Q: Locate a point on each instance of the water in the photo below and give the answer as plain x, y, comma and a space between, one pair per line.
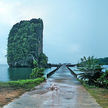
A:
14, 74
76, 71
105, 67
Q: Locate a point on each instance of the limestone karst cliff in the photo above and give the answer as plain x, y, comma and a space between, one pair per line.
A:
25, 44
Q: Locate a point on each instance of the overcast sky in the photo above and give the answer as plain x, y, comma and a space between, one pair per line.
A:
72, 28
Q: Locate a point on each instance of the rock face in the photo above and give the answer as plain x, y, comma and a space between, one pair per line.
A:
25, 43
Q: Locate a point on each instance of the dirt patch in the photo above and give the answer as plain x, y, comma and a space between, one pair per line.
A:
8, 94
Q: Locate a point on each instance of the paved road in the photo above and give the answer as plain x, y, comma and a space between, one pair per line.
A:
67, 93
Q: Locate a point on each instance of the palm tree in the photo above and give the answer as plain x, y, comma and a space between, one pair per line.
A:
91, 70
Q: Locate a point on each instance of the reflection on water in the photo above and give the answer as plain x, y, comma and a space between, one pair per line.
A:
19, 73
13, 74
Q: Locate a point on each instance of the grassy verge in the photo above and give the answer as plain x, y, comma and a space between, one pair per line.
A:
100, 94
13, 89
26, 84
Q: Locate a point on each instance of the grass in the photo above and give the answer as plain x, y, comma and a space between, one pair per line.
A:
4, 84
100, 94
13, 89
26, 84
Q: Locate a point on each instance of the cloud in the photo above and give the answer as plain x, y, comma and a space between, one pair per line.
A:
2, 56
7, 14
12, 12
72, 28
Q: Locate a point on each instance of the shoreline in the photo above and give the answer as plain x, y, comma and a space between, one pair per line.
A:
13, 89
7, 95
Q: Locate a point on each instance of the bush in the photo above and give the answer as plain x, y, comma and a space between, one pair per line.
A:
35, 64
37, 72
103, 80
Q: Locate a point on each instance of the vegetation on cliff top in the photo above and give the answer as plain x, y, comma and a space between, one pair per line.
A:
25, 44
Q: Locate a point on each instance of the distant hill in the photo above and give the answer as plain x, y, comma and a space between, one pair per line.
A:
103, 61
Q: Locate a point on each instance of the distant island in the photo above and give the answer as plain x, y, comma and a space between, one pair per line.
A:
103, 61
100, 61
25, 44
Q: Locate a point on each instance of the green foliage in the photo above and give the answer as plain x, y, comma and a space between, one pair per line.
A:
25, 43
91, 70
86, 85
28, 84
89, 64
103, 80
37, 72
4, 84
35, 64
42, 61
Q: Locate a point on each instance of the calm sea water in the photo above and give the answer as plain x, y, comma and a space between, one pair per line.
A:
105, 67
13, 74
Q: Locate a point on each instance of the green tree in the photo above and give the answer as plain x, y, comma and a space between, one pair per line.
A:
91, 69
37, 72
103, 80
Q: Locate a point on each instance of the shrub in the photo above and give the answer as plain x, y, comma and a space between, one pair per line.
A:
35, 64
37, 72
103, 80
91, 70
